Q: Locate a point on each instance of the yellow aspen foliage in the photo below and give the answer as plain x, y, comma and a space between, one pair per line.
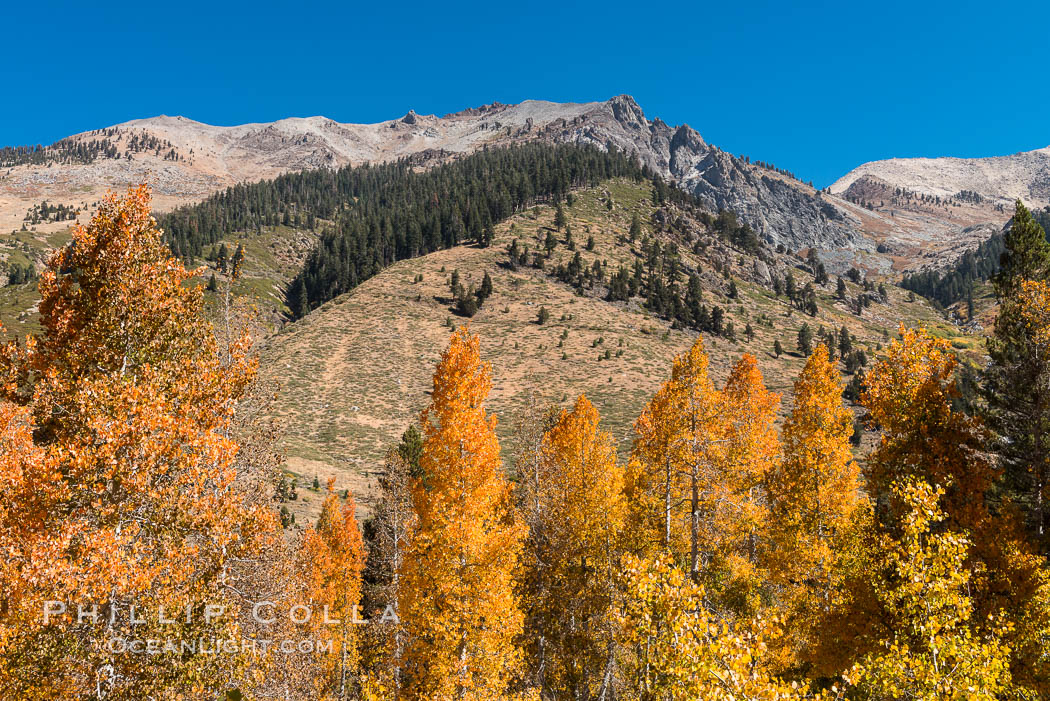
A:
749, 454
696, 478
833, 624
1034, 306
814, 490
460, 614
675, 648
674, 481
909, 397
572, 557
333, 555
135, 500
933, 651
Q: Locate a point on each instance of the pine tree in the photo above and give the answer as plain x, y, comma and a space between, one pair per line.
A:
550, 243
485, 291
635, 231
237, 261
1015, 383
222, 259
845, 342
460, 615
805, 340
559, 217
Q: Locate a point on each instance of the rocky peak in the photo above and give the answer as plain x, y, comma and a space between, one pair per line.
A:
627, 112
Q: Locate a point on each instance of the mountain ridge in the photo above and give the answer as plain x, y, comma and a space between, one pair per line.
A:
186, 161
211, 157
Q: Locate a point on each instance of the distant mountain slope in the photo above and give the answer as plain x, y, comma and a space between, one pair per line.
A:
193, 159
356, 371
928, 213
1001, 179
859, 222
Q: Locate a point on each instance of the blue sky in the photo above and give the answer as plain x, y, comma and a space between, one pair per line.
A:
814, 87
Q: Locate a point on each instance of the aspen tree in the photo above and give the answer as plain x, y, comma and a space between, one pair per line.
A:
814, 501
673, 470
750, 452
814, 490
132, 400
909, 396
333, 555
573, 555
683, 651
460, 614
934, 651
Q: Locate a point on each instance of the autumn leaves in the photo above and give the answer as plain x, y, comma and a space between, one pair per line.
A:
724, 559
119, 466
590, 579
457, 602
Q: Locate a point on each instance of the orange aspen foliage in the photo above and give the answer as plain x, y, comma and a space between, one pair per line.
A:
814, 500
135, 501
750, 452
909, 397
460, 614
674, 474
333, 552
572, 557
699, 462
814, 490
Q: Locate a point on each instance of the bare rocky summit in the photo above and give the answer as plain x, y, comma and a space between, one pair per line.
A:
1003, 179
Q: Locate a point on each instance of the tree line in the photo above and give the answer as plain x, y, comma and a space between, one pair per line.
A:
401, 213
373, 215
109, 143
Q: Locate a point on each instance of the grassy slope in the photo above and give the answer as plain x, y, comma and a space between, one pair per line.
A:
272, 257
357, 371
18, 302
